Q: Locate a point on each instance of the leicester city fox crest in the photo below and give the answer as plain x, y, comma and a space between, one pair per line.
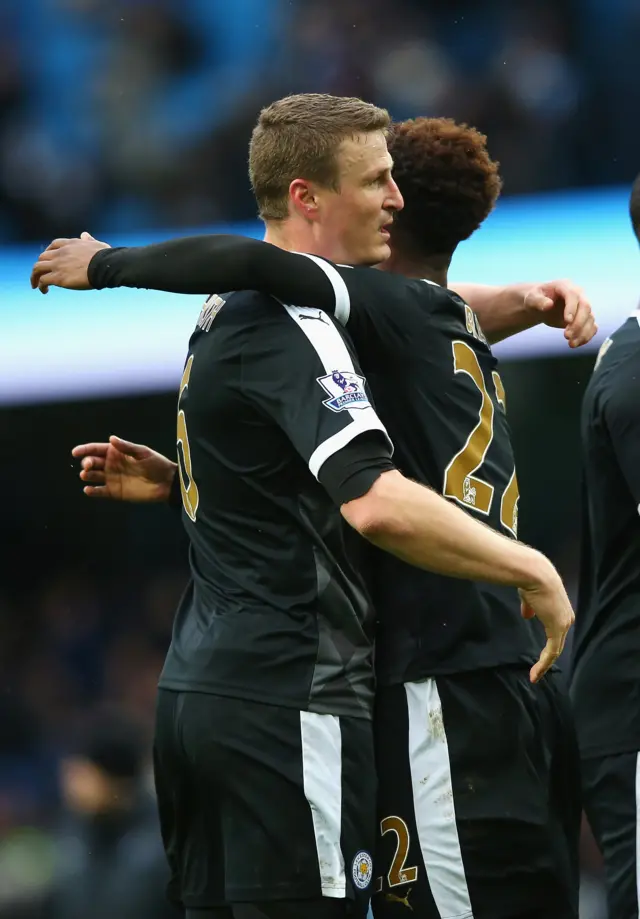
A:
362, 870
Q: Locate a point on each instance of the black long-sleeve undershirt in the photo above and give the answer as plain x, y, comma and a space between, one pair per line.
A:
215, 263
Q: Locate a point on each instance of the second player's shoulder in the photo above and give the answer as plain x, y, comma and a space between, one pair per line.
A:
374, 280
391, 295
453, 316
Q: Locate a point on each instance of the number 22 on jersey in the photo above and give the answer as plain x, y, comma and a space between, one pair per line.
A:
461, 481
188, 487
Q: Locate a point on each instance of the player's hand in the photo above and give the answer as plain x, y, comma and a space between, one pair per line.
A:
564, 305
65, 263
123, 471
548, 601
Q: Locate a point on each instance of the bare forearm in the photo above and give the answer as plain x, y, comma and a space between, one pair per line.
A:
425, 530
501, 310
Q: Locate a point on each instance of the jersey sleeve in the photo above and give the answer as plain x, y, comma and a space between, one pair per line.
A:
203, 264
351, 472
297, 368
374, 305
621, 409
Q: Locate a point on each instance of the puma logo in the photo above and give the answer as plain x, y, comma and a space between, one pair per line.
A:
320, 317
393, 898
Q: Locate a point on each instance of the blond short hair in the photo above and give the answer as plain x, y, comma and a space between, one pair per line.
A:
298, 138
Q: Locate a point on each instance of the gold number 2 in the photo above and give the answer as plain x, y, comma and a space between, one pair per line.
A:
511, 496
398, 874
460, 481
188, 487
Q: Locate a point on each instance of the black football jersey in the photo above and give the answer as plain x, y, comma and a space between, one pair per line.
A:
435, 384
436, 387
605, 683
271, 402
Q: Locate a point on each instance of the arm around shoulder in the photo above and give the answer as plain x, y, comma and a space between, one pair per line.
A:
426, 530
423, 529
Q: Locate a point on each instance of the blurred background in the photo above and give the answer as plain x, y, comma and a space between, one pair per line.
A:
131, 119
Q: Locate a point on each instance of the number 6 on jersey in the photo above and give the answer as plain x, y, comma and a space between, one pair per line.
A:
188, 487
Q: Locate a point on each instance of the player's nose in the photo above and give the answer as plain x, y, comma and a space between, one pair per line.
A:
394, 201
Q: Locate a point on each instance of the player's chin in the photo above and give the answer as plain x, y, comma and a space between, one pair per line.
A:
378, 252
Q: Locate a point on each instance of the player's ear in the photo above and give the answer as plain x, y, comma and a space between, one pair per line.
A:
303, 199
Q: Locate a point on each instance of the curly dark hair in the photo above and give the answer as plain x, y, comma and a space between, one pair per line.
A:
634, 207
448, 181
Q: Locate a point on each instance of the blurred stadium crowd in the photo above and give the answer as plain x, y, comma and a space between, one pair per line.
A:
132, 114
119, 115
80, 659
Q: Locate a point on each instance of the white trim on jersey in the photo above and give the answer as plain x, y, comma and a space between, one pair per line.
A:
335, 443
433, 801
342, 309
333, 354
638, 829
322, 776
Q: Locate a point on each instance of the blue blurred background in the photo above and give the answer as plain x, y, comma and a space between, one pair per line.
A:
131, 119
134, 114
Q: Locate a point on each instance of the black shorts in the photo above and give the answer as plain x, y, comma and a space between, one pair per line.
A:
478, 801
611, 791
260, 803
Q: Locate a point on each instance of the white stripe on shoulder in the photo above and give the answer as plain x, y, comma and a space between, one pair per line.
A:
342, 308
433, 283
337, 441
334, 355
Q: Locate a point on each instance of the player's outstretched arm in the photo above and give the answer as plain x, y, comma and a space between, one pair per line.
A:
124, 471
506, 311
193, 265
424, 529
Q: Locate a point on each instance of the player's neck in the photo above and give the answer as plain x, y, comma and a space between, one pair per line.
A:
434, 268
297, 235
278, 233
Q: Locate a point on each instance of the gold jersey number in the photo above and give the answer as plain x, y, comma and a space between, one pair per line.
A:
461, 481
188, 487
398, 873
